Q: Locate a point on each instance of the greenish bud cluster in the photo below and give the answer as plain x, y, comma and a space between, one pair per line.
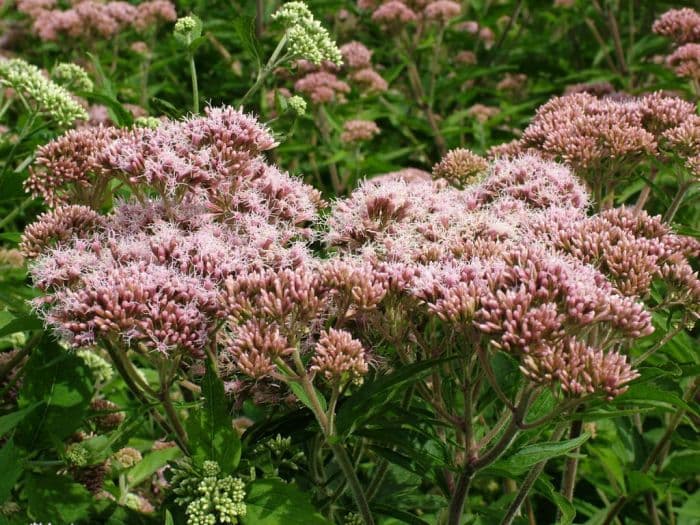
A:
39, 93
72, 77
101, 370
147, 122
352, 518
210, 499
77, 455
187, 29
308, 39
297, 104
127, 457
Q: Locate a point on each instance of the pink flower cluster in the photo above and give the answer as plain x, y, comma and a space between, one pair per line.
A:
394, 14
682, 25
90, 19
498, 263
205, 205
685, 61
597, 136
213, 246
358, 131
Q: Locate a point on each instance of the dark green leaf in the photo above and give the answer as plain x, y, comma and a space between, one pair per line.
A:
11, 466
150, 463
21, 324
530, 455
274, 502
210, 429
63, 382
57, 499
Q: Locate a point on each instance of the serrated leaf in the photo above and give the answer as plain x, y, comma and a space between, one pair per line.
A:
245, 30
11, 420
11, 466
63, 382
568, 512
150, 463
530, 455
210, 430
57, 499
21, 324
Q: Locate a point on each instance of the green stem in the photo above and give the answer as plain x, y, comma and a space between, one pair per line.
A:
459, 497
528, 482
345, 464
195, 86
677, 200
265, 71
569, 476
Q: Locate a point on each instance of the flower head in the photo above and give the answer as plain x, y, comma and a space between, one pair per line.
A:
359, 131
460, 167
72, 77
307, 37
682, 25
44, 95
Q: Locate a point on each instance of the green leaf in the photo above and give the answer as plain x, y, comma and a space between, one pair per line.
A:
530, 455
150, 463
11, 466
121, 116
685, 463
568, 512
652, 395
63, 382
169, 518
210, 429
57, 499
304, 398
14, 237
21, 324
274, 502
11, 420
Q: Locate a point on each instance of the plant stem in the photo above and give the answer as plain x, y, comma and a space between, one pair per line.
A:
646, 191
677, 200
173, 417
419, 94
568, 482
195, 86
341, 456
459, 497
529, 481
265, 71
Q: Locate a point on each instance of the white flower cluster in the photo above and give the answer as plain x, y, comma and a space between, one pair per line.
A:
308, 39
211, 499
72, 77
297, 104
36, 90
187, 29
